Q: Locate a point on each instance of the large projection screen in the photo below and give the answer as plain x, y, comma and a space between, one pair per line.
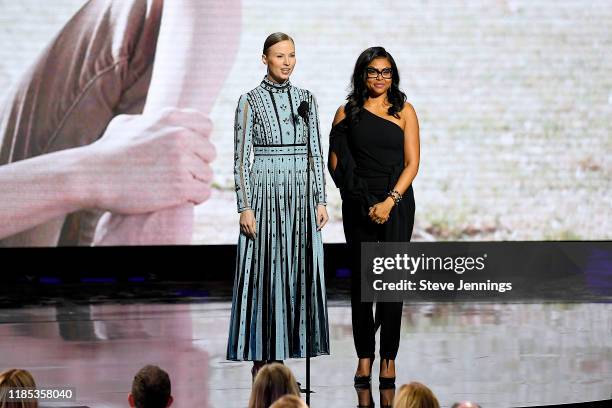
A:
514, 100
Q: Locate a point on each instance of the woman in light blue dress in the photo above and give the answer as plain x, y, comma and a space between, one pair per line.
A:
280, 213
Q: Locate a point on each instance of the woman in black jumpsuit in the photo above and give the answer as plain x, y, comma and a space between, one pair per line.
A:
373, 159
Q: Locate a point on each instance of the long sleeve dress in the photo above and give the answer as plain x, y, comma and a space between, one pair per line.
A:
268, 318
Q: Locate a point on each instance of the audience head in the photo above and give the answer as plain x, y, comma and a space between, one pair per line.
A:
16, 378
150, 388
465, 404
272, 382
289, 401
415, 395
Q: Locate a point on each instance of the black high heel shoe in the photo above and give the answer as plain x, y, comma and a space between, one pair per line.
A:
364, 381
386, 383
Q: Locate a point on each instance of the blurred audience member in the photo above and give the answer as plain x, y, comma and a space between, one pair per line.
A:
272, 382
289, 401
415, 395
465, 404
16, 378
151, 389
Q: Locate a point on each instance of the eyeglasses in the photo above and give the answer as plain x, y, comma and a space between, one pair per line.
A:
386, 73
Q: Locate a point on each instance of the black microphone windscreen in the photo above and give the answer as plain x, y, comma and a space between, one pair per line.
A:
303, 110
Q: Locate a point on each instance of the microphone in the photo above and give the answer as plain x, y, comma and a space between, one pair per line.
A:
303, 110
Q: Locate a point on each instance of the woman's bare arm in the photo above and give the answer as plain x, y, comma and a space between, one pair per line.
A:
107, 174
380, 212
411, 149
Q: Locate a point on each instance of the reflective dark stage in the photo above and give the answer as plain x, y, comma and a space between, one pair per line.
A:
499, 355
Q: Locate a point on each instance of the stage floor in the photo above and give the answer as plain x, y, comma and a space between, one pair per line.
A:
499, 355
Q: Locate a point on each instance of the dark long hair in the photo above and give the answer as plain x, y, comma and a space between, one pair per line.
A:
359, 90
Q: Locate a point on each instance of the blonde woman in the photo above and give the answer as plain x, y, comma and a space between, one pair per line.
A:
272, 382
280, 214
415, 395
289, 401
16, 378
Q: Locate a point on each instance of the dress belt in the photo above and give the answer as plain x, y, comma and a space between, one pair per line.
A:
280, 149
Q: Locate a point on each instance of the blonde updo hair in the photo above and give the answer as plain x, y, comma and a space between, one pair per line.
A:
275, 38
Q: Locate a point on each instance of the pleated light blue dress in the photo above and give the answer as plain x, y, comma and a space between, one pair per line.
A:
268, 319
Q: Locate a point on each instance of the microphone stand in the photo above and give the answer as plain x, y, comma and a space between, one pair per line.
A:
308, 274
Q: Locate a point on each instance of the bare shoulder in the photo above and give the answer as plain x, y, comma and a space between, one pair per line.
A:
408, 110
408, 114
339, 116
